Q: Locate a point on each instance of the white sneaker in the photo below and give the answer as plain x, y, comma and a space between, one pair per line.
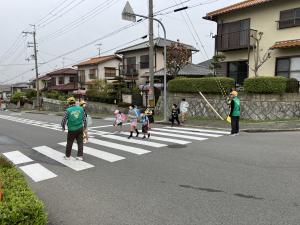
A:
79, 158
67, 158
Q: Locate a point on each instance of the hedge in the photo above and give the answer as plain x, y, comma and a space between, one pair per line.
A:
205, 85
265, 85
19, 205
292, 85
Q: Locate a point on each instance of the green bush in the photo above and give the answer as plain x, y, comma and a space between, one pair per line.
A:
18, 97
292, 85
265, 85
52, 94
20, 205
205, 85
31, 94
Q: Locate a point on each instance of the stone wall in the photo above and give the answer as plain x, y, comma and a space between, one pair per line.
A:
253, 106
92, 107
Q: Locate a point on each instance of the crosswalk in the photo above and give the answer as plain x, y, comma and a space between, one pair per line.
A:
103, 145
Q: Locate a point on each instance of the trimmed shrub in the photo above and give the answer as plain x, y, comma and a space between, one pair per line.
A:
20, 205
205, 85
18, 97
265, 85
292, 85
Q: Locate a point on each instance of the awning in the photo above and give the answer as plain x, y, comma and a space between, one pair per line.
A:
286, 44
79, 92
145, 87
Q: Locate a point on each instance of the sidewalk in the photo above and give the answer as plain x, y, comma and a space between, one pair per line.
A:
246, 126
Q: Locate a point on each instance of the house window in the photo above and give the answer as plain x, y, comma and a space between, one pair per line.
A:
72, 79
81, 76
110, 71
92, 74
61, 80
144, 62
288, 67
289, 18
238, 71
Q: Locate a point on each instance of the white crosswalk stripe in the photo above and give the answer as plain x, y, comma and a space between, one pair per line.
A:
199, 130
17, 157
59, 157
187, 132
177, 135
97, 153
126, 148
135, 141
170, 140
37, 172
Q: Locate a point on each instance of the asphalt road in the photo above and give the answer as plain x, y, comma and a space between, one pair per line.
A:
251, 179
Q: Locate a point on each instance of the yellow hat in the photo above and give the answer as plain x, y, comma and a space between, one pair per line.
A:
234, 93
82, 103
71, 100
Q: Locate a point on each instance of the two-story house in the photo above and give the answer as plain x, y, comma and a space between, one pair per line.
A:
237, 25
135, 64
62, 80
98, 68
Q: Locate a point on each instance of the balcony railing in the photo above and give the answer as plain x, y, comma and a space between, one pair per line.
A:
129, 70
235, 40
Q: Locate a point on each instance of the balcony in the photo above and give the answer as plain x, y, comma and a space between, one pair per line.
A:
129, 70
235, 40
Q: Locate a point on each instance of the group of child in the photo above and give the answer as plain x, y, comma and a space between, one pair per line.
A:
135, 117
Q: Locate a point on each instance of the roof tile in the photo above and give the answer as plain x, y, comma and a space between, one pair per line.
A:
287, 44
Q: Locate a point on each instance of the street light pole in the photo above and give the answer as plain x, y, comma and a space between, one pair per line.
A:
128, 14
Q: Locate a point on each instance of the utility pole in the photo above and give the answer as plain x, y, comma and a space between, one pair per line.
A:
33, 33
99, 48
151, 56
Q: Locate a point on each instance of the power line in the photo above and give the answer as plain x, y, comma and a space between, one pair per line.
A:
44, 24
80, 20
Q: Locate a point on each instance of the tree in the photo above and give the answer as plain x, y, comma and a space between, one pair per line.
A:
259, 59
177, 57
216, 63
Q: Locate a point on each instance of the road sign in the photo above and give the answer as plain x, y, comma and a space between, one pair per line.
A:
128, 13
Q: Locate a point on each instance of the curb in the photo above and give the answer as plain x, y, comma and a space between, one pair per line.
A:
270, 130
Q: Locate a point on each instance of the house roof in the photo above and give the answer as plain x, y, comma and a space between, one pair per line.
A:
235, 7
286, 44
98, 60
5, 88
64, 71
190, 70
20, 85
158, 42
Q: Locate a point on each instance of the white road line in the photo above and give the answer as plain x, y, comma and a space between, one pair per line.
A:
59, 157
17, 157
178, 135
135, 141
199, 130
171, 140
37, 172
126, 148
97, 153
187, 132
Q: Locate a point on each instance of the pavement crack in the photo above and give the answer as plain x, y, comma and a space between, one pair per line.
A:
248, 196
202, 189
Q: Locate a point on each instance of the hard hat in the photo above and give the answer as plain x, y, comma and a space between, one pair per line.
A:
82, 103
71, 100
234, 93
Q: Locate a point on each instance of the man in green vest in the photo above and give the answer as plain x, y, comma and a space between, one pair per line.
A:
76, 122
235, 113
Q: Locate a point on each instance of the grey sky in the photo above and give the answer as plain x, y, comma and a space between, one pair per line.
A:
16, 15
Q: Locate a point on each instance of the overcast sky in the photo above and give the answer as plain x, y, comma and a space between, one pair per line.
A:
65, 25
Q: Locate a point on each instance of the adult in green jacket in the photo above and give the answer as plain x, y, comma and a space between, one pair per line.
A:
76, 122
235, 112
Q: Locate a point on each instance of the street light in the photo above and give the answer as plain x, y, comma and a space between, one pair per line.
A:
129, 15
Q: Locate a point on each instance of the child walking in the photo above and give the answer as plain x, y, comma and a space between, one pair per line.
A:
133, 117
145, 125
118, 123
174, 114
